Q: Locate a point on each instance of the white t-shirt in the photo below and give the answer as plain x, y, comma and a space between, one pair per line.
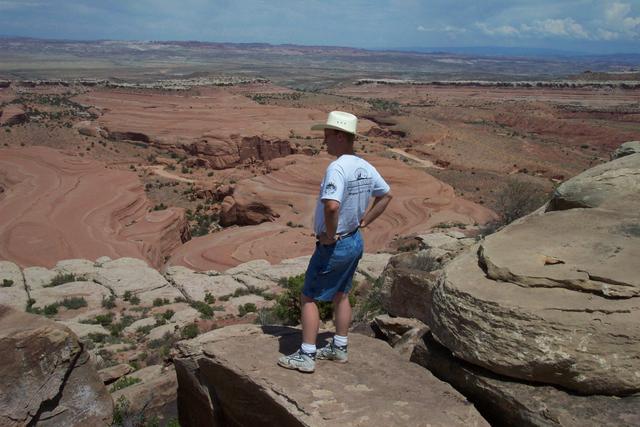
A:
351, 181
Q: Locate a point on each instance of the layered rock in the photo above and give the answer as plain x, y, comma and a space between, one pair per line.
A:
553, 297
47, 377
241, 211
220, 383
59, 207
505, 401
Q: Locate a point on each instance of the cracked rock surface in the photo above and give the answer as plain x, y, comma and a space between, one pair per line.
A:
376, 387
47, 377
554, 297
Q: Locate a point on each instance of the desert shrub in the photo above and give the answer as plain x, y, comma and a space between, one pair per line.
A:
371, 304
134, 300
7, 283
144, 330
517, 199
167, 314
288, 308
31, 309
103, 319
117, 328
124, 382
127, 295
208, 298
73, 303
109, 302
158, 302
97, 337
206, 312
51, 309
61, 278
189, 331
179, 299
384, 105
247, 308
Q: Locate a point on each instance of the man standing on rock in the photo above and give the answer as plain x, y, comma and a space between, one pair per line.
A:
346, 189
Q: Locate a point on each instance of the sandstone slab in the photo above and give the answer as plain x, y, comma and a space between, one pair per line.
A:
47, 378
12, 287
578, 340
626, 149
377, 387
196, 285
504, 401
613, 186
588, 250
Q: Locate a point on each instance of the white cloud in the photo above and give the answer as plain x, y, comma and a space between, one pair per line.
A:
442, 29
603, 34
13, 5
617, 11
502, 30
566, 27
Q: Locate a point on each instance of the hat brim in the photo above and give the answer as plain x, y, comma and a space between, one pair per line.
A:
323, 126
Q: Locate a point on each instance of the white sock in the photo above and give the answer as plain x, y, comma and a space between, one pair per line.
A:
308, 348
340, 341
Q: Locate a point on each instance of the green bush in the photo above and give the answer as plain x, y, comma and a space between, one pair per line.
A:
123, 383
158, 302
134, 300
127, 295
109, 302
73, 303
247, 308
167, 314
189, 331
51, 309
209, 299
103, 319
61, 279
206, 312
288, 308
7, 283
97, 337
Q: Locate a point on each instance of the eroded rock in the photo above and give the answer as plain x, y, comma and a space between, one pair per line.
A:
394, 393
47, 377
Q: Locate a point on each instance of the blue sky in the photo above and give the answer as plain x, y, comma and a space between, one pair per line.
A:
578, 25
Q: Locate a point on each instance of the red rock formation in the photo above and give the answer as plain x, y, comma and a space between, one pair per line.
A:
244, 212
260, 148
60, 207
12, 115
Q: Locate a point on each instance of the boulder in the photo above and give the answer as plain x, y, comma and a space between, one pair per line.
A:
196, 285
130, 274
626, 149
613, 186
587, 250
582, 341
47, 377
220, 383
401, 333
91, 292
113, 373
83, 330
261, 148
154, 396
407, 284
12, 287
506, 402
241, 211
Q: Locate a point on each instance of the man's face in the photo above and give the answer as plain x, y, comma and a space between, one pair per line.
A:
332, 139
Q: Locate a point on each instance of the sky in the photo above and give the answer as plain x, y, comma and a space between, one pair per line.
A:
590, 26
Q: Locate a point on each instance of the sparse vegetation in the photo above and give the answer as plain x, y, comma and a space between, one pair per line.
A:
206, 312
209, 299
62, 278
109, 302
124, 382
247, 308
73, 303
7, 283
189, 331
287, 307
158, 302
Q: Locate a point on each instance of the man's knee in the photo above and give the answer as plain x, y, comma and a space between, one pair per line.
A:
339, 297
305, 299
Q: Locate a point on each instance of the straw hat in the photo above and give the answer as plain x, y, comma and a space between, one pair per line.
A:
339, 120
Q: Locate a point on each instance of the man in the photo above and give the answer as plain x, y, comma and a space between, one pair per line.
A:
346, 189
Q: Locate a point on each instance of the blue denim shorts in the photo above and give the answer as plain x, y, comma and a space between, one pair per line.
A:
331, 268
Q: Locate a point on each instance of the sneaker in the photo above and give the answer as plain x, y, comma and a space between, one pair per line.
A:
303, 362
333, 352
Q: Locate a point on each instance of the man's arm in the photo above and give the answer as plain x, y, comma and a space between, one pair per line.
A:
378, 206
331, 214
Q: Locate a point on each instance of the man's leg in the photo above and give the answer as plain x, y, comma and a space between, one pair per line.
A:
342, 309
310, 320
